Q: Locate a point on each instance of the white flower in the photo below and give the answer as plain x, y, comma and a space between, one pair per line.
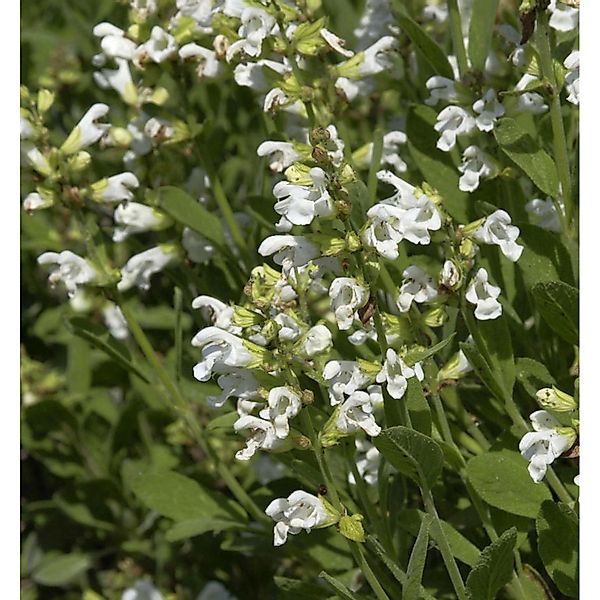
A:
220, 350
404, 195
160, 46
70, 269
347, 296
298, 204
420, 217
208, 64
31, 155
142, 590
142, 266
449, 275
389, 155
530, 101
158, 129
116, 188
543, 445
376, 57
262, 436
435, 12
115, 321
334, 146
396, 373
87, 131
344, 377
216, 312
497, 229
255, 27
282, 404
300, 510
35, 201
368, 460
113, 42
488, 110
143, 8
350, 89
385, 230
440, 88
289, 327
355, 413
335, 42
417, 286
237, 383
281, 154
543, 213
197, 247
376, 21
563, 18
484, 294
251, 74
452, 122
317, 340
289, 250
475, 164
133, 217
275, 99
572, 77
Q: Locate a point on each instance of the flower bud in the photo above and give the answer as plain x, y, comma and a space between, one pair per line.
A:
455, 368
120, 136
79, 161
450, 276
308, 397
472, 227
243, 317
353, 243
351, 527
159, 96
435, 317
318, 135
554, 399
45, 99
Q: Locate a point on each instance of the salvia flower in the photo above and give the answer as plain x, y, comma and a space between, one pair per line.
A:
317, 340
255, 27
488, 110
356, 413
543, 213
396, 373
563, 18
161, 45
69, 269
347, 296
299, 511
87, 131
530, 101
133, 217
452, 122
261, 436
484, 295
282, 404
572, 77
417, 286
376, 57
207, 63
142, 590
139, 268
289, 250
220, 351
237, 383
281, 154
368, 460
475, 165
116, 188
344, 377
497, 229
440, 88
542, 446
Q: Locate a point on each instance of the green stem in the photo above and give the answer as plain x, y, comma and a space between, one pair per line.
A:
182, 408
558, 130
558, 487
458, 42
374, 166
361, 560
444, 546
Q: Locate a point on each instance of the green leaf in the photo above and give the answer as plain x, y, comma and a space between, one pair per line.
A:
187, 211
178, 497
415, 356
502, 480
431, 52
461, 547
544, 257
61, 569
183, 530
416, 564
481, 29
533, 584
294, 589
338, 587
493, 341
487, 375
526, 152
533, 375
558, 304
436, 166
420, 414
412, 453
494, 569
558, 540
393, 567
99, 337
